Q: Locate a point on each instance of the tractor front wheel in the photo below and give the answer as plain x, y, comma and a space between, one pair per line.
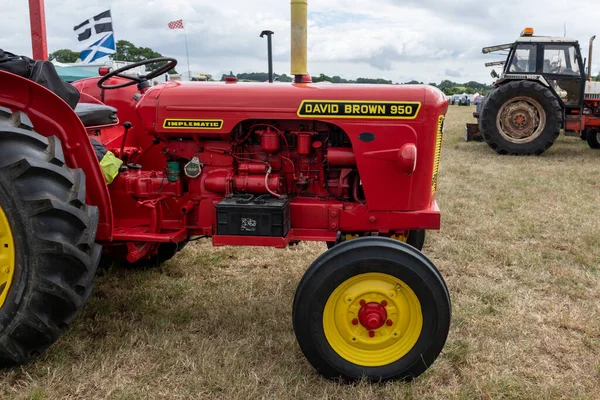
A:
520, 118
372, 307
48, 257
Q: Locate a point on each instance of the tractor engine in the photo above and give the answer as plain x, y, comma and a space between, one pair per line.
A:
257, 162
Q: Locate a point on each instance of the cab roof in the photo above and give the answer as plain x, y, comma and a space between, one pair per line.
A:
545, 39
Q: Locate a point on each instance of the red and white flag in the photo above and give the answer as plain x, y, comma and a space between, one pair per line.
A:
176, 24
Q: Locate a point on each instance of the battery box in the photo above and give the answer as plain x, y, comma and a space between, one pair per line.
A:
238, 216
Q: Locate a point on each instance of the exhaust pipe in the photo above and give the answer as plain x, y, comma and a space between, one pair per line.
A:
590, 57
269, 52
299, 34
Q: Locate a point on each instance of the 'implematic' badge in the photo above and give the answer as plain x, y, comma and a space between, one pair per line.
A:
359, 109
202, 124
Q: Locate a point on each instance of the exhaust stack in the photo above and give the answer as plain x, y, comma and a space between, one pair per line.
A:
299, 34
590, 57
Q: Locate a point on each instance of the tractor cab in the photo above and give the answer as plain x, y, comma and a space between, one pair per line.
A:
541, 91
555, 60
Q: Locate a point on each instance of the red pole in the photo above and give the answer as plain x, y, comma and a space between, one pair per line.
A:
37, 17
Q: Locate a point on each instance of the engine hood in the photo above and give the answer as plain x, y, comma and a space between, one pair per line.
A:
190, 108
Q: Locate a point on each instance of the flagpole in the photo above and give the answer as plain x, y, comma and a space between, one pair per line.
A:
187, 52
114, 37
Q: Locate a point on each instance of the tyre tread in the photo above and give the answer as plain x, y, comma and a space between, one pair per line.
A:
47, 191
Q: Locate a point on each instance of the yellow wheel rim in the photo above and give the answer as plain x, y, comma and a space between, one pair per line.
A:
356, 342
7, 257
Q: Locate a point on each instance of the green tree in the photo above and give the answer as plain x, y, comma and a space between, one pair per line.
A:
127, 51
64, 56
284, 78
374, 81
338, 79
322, 78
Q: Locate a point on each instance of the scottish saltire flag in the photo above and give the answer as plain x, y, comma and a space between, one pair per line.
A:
101, 23
101, 48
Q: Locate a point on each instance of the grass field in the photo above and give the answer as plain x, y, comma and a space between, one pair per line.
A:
519, 248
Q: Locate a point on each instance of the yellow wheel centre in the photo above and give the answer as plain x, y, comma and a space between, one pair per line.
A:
372, 319
7, 257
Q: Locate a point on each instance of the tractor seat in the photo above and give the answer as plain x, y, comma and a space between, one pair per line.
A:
96, 114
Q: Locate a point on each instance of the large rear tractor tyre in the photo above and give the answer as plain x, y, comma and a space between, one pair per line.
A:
372, 308
520, 118
48, 255
593, 138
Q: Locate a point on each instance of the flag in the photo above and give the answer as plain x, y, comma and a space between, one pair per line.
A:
101, 48
101, 23
176, 24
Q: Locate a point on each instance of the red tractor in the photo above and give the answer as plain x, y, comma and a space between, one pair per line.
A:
246, 165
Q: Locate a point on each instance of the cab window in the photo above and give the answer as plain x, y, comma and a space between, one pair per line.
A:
524, 59
560, 59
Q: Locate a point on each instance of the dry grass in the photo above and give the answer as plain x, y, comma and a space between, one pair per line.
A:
519, 248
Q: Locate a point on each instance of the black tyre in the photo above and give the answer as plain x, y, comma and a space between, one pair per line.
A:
372, 307
118, 256
520, 118
165, 252
47, 235
416, 238
593, 138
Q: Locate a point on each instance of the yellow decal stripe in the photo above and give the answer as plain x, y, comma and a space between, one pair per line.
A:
359, 109
199, 124
438, 151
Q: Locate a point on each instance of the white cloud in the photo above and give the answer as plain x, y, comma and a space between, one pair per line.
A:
401, 40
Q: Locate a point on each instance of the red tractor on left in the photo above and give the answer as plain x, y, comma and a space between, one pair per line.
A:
142, 169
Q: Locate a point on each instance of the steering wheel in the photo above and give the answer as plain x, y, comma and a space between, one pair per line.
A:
137, 79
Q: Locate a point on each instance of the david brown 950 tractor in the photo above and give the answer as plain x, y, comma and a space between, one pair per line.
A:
542, 89
247, 165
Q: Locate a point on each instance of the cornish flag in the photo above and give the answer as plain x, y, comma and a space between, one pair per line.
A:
101, 23
99, 49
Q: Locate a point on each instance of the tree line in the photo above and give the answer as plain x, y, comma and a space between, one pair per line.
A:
447, 86
127, 51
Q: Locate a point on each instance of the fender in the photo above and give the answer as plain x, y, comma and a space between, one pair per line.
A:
523, 77
51, 116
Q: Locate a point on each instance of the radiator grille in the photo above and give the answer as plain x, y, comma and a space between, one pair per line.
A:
438, 150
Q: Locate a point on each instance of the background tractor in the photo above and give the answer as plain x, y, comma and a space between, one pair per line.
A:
244, 164
542, 89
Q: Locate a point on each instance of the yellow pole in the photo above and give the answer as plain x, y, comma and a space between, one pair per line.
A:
299, 34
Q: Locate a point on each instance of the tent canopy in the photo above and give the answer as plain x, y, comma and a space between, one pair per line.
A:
72, 74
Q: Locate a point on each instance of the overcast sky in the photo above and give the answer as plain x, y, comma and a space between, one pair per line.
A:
400, 40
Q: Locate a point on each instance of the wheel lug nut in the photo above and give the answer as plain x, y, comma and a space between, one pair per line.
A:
354, 321
362, 302
389, 322
371, 334
384, 303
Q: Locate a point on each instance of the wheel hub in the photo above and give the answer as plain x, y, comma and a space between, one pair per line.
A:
521, 120
372, 319
372, 315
